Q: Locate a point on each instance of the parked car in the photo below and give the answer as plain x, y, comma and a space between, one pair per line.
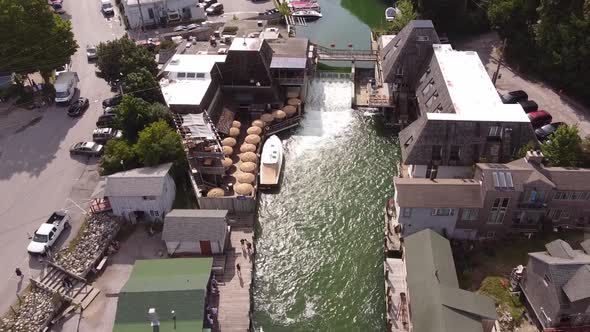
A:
544, 132
106, 120
514, 97
46, 235
103, 135
208, 3
113, 101
57, 8
192, 26
110, 110
78, 107
215, 9
539, 118
91, 52
529, 106
62, 69
179, 28
87, 148
56, 1
106, 7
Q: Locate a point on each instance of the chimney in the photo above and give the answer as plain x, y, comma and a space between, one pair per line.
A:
153, 316
534, 157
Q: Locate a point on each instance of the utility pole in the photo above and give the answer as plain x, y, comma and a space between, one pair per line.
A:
495, 77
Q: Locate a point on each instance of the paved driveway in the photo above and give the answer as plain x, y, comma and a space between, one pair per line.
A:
37, 174
561, 107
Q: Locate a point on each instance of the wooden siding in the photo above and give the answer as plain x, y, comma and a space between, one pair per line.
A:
232, 204
124, 205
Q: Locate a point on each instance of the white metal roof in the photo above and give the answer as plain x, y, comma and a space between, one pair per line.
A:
474, 96
146, 181
188, 91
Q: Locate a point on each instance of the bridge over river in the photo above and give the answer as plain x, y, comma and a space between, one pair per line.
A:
333, 54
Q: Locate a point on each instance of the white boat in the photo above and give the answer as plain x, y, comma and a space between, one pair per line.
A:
307, 14
304, 5
271, 162
390, 13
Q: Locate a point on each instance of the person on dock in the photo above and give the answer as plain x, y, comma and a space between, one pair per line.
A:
239, 269
249, 247
19, 273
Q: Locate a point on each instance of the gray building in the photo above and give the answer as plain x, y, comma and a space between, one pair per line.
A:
196, 232
556, 285
520, 196
432, 296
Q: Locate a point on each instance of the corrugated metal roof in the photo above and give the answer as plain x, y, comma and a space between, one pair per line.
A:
281, 62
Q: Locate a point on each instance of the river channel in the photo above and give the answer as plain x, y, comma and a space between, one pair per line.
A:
319, 263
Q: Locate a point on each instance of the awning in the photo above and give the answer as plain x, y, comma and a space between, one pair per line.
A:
198, 126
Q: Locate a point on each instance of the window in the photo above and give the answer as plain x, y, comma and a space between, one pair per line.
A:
554, 214
547, 279
438, 109
180, 75
191, 75
428, 87
407, 212
408, 141
469, 214
151, 13
149, 198
565, 214
570, 195
455, 152
424, 75
498, 210
431, 171
422, 38
200, 75
490, 235
442, 212
503, 180
436, 152
156, 213
432, 99
495, 131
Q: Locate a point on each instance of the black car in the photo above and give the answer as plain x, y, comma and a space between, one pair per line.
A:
106, 120
78, 107
208, 3
514, 97
529, 106
113, 101
544, 132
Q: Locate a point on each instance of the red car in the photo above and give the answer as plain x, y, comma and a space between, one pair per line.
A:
539, 118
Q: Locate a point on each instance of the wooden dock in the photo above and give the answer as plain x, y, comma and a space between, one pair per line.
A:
234, 287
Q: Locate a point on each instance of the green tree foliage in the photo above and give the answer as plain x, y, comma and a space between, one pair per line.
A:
158, 144
531, 145
549, 37
142, 84
121, 57
33, 38
283, 7
563, 147
119, 156
134, 114
405, 15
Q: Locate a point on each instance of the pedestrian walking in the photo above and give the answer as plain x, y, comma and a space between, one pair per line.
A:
249, 246
242, 242
19, 273
239, 269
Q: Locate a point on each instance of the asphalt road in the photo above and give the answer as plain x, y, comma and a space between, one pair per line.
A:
37, 174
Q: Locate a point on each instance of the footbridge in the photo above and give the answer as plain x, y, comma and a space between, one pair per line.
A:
333, 54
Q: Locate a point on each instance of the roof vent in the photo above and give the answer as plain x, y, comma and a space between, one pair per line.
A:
153, 316
534, 157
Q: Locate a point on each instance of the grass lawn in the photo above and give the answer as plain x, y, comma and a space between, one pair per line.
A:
495, 289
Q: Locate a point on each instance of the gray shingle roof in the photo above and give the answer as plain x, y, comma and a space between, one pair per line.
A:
194, 225
437, 302
426, 193
578, 287
560, 248
146, 181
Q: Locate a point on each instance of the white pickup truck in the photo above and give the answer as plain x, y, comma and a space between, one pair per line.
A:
46, 235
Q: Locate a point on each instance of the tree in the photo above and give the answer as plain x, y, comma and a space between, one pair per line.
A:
531, 145
119, 156
563, 147
158, 144
405, 15
134, 114
121, 57
446, 14
142, 84
33, 38
283, 7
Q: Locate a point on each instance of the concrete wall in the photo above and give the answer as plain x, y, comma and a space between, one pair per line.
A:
125, 205
422, 218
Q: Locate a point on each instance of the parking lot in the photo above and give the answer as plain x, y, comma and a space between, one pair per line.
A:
37, 173
556, 102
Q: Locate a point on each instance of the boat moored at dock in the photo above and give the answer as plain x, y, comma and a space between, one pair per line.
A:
309, 15
271, 162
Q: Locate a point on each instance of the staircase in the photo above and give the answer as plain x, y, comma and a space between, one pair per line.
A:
80, 294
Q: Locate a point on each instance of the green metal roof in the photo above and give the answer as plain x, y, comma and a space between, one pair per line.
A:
177, 284
435, 298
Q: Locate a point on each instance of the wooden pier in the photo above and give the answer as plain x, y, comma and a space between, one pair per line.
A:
234, 288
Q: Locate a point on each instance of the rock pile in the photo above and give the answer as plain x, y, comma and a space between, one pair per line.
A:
34, 311
95, 237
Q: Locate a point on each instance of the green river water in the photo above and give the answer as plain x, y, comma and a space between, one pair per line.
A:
319, 262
